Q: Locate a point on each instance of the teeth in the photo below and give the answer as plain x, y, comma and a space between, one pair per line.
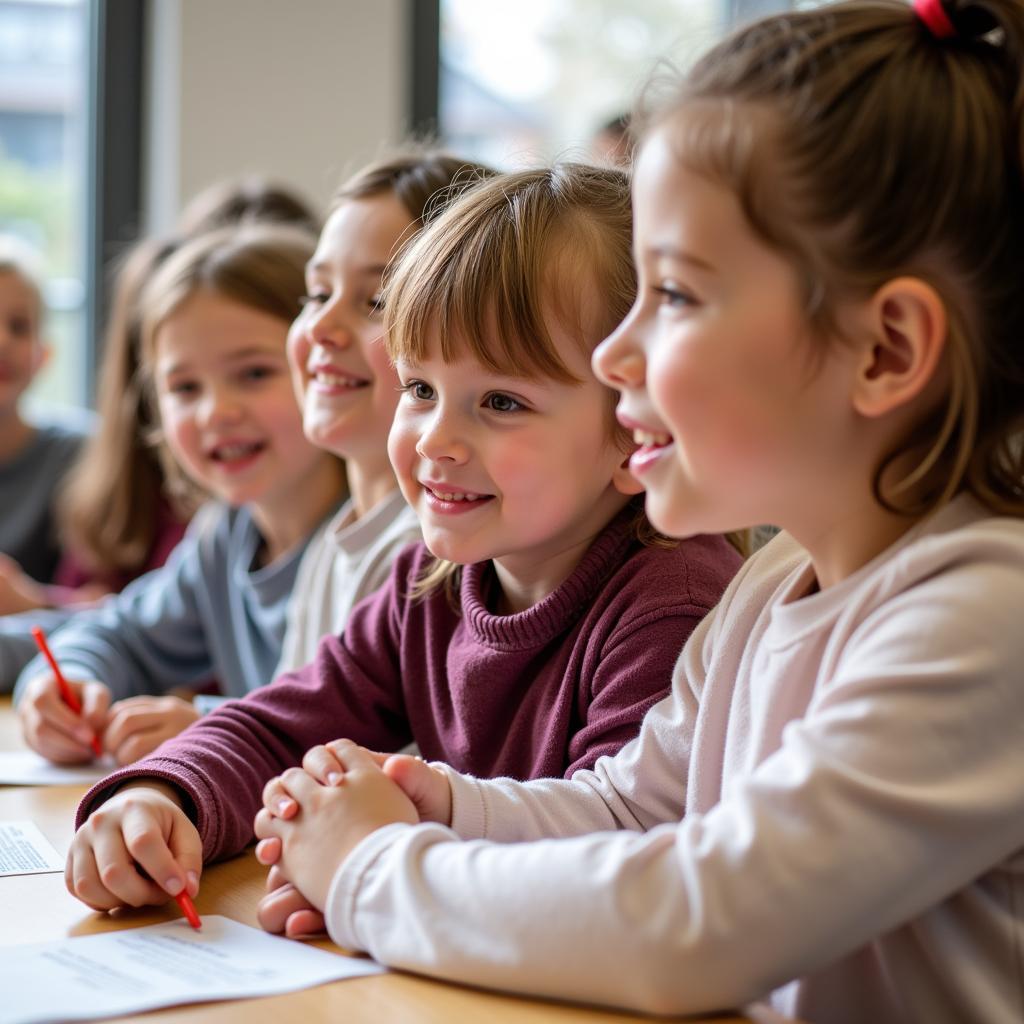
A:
452, 496
336, 380
227, 452
650, 439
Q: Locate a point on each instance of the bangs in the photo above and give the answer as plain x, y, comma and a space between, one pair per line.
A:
480, 281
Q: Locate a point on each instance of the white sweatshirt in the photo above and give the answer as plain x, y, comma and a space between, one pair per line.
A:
347, 560
828, 810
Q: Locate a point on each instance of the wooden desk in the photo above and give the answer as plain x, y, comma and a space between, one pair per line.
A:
37, 908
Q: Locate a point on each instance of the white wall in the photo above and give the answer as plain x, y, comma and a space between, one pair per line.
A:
299, 90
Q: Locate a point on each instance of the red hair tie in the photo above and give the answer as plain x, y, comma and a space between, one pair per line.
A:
932, 13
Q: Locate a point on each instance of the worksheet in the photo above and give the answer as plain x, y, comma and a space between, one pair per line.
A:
27, 768
161, 965
24, 850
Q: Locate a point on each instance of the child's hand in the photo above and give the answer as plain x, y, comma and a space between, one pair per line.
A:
18, 591
329, 821
426, 787
142, 828
138, 725
285, 909
52, 729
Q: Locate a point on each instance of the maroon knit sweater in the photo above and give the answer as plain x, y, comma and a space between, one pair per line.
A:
540, 693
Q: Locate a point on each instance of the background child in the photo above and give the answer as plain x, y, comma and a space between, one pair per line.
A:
550, 629
116, 519
33, 459
828, 336
347, 387
215, 321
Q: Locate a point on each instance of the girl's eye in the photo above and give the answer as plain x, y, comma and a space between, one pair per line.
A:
20, 326
674, 296
182, 388
313, 299
418, 390
375, 304
257, 373
500, 402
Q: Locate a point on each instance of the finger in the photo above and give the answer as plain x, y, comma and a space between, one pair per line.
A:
147, 846
186, 848
277, 906
95, 705
428, 790
305, 923
268, 851
49, 709
275, 879
267, 825
277, 800
321, 763
351, 755
299, 786
137, 746
119, 877
125, 722
82, 878
57, 746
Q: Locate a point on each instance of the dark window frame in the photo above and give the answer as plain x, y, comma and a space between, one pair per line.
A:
113, 193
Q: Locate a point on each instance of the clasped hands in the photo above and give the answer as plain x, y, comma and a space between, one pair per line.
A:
314, 816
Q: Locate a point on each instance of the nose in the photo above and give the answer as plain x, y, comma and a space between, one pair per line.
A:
441, 440
220, 406
328, 325
619, 360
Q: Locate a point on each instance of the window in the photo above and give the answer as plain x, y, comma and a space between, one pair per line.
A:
531, 80
43, 80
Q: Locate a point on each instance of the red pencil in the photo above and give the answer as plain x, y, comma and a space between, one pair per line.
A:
67, 694
188, 909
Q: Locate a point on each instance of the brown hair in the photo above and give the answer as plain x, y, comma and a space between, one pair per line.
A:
485, 272
259, 265
863, 148
239, 201
422, 178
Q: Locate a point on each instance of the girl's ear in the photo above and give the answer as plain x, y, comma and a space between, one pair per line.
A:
623, 481
904, 343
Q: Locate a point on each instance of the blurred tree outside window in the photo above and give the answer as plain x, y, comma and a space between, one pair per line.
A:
43, 99
533, 80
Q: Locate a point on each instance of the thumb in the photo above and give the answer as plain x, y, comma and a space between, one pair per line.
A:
421, 785
187, 849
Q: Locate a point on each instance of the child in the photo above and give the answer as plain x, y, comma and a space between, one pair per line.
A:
828, 336
115, 517
214, 326
549, 629
348, 389
33, 459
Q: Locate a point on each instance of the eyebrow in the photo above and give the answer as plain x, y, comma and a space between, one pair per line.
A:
250, 352
322, 265
680, 256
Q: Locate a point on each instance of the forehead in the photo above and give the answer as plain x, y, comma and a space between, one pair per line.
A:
208, 329
18, 293
363, 231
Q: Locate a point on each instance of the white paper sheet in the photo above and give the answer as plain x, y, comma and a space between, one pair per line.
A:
162, 965
24, 850
27, 768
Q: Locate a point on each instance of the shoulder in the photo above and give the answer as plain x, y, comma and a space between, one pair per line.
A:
689, 575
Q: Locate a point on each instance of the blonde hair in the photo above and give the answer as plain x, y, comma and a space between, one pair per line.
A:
863, 148
261, 266
484, 274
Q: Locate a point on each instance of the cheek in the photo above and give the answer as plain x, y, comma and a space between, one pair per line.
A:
402, 444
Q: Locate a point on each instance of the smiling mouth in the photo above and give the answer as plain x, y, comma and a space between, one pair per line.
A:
236, 452
331, 380
651, 438
456, 496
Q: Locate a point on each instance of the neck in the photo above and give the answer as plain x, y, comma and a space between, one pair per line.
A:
526, 579
370, 482
289, 519
15, 433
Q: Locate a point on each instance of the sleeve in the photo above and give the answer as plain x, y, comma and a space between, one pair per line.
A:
151, 637
898, 788
352, 689
17, 648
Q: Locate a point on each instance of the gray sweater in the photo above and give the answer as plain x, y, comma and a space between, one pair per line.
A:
206, 613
